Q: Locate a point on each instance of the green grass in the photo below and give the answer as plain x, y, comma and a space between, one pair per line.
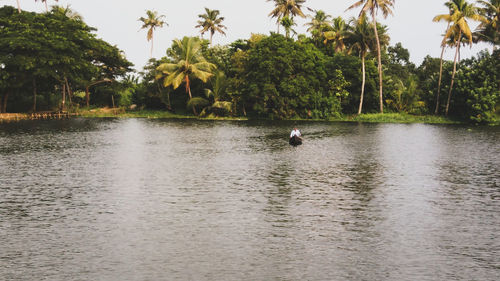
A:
120, 113
153, 114
399, 118
368, 118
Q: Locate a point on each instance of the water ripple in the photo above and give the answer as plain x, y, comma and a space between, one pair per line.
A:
134, 199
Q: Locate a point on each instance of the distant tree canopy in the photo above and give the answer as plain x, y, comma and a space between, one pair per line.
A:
45, 53
50, 61
283, 78
478, 88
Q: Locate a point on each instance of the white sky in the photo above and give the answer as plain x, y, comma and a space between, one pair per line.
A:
117, 22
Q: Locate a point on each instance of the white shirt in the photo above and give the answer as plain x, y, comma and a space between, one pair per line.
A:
295, 133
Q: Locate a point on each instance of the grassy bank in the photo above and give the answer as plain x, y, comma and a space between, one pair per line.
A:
13, 116
369, 118
156, 114
121, 113
399, 118
153, 114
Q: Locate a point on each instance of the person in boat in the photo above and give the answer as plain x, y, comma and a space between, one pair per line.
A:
295, 132
295, 137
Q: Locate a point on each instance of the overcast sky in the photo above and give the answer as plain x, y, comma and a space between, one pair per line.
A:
117, 22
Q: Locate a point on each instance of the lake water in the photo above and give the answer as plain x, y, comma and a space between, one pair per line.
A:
139, 199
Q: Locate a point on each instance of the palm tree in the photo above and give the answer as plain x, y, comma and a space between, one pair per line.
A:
337, 34
460, 12
372, 6
211, 22
188, 63
67, 12
18, 7
151, 22
286, 8
443, 47
489, 31
451, 41
219, 84
45, 1
288, 23
359, 37
318, 24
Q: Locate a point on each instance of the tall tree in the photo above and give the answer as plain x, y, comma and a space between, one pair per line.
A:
337, 34
489, 30
318, 24
152, 21
219, 83
68, 12
188, 63
43, 51
358, 38
460, 11
286, 8
210, 21
372, 7
288, 24
443, 47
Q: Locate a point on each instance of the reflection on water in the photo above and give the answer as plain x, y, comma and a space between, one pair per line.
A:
138, 199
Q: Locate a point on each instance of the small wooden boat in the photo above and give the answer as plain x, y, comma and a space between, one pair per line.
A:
295, 140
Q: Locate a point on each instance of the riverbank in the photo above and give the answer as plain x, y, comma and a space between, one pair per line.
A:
46, 115
158, 114
368, 118
400, 118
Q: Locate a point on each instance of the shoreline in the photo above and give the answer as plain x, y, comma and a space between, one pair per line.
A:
400, 118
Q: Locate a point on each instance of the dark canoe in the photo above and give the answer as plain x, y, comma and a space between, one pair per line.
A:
295, 140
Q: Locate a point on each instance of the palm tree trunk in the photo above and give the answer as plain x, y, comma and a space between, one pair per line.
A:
188, 86
454, 71
151, 53
194, 108
63, 96
46, 7
440, 73
379, 56
211, 35
18, 7
439, 81
3, 108
188, 89
68, 89
169, 105
87, 95
34, 94
362, 84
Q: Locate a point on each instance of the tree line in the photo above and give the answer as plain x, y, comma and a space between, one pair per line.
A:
345, 66
48, 60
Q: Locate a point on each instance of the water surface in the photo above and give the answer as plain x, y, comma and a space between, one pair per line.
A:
139, 199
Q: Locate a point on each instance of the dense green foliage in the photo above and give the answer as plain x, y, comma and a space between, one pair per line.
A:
285, 79
44, 54
48, 58
478, 88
